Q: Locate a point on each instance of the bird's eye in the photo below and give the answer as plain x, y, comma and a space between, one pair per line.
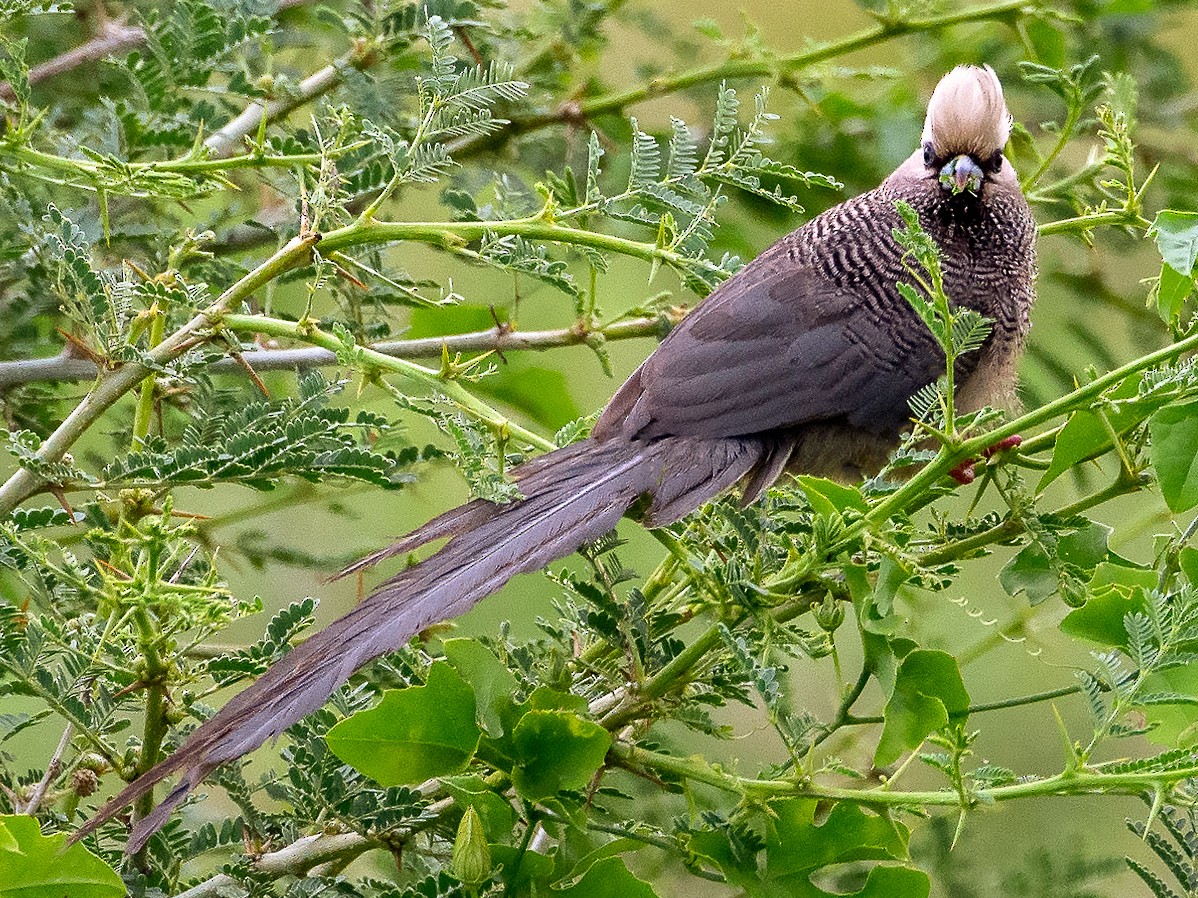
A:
929, 154
995, 162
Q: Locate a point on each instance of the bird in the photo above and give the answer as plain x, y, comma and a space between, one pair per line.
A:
804, 361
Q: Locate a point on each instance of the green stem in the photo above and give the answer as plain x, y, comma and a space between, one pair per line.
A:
369, 358
914, 488
1012, 527
1074, 782
1083, 223
455, 234
1072, 117
145, 402
983, 707
155, 727
771, 67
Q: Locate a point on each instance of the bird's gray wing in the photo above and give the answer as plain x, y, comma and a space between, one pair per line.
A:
780, 346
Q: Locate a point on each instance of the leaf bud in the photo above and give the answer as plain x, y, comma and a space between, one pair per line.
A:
471, 859
829, 613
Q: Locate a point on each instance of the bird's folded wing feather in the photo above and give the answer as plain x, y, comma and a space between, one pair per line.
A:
775, 351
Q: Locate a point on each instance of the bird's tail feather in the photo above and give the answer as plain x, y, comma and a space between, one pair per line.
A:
571, 497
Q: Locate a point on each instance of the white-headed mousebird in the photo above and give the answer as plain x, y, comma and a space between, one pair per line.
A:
804, 361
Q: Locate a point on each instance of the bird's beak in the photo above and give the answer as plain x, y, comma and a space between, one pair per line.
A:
961, 174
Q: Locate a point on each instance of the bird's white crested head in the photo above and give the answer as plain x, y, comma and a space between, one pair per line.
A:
967, 114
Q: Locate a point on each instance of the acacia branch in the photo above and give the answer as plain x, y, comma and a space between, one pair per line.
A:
111, 38
576, 110
223, 143
296, 253
295, 860
65, 367
1072, 782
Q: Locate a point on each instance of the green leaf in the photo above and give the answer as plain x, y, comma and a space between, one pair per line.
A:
828, 497
1174, 432
556, 750
520, 869
37, 866
1176, 236
1171, 293
1031, 572
1047, 40
495, 811
1084, 435
1086, 547
1172, 723
927, 690
493, 684
412, 734
1115, 592
797, 846
609, 877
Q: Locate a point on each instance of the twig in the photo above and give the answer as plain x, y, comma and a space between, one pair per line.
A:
296, 859
55, 765
68, 367
766, 67
225, 142
111, 38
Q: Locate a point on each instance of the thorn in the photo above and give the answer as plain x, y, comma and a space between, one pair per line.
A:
57, 492
464, 37
1158, 802
1073, 762
502, 329
76, 345
960, 829
115, 570
249, 369
345, 273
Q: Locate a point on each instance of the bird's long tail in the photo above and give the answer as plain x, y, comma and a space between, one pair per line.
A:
571, 496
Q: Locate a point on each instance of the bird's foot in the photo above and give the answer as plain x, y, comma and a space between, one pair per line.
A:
965, 474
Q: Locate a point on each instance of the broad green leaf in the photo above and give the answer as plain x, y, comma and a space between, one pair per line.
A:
1086, 547
882, 882
520, 870
493, 684
37, 866
1171, 293
494, 810
1176, 236
927, 690
1121, 575
1115, 591
556, 750
607, 879
614, 848
412, 734
1187, 560
829, 497
1174, 432
1047, 40
797, 846
1172, 725
1084, 435
1031, 572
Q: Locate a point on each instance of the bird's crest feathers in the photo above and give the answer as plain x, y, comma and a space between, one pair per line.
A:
967, 114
